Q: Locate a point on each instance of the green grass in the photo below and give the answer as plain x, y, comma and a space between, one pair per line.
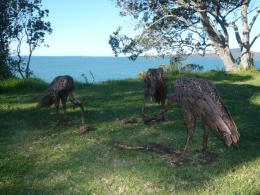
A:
39, 157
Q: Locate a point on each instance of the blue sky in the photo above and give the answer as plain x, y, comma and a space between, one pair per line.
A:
82, 28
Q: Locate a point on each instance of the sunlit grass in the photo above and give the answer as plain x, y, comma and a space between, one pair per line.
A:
37, 156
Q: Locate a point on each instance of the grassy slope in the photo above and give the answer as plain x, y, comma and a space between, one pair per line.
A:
38, 157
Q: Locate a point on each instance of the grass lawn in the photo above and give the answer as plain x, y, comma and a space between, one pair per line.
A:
37, 156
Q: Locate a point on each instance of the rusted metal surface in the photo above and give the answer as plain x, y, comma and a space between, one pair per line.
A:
60, 89
155, 88
199, 99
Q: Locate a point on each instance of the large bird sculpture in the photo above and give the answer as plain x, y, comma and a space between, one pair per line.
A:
199, 99
155, 87
60, 89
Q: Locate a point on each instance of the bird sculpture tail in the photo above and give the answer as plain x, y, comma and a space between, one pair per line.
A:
218, 117
46, 101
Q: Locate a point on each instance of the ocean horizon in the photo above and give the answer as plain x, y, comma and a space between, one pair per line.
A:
103, 68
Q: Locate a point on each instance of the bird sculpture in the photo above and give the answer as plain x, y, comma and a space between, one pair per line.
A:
199, 99
60, 89
155, 88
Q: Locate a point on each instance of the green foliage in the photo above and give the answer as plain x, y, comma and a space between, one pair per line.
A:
170, 27
177, 65
39, 156
181, 28
251, 68
6, 71
191, 68
21, 22
20, 85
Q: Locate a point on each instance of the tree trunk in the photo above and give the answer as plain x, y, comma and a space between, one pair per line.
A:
19, 62
218, 40
19, 69
226, 56
27, 69
246, 57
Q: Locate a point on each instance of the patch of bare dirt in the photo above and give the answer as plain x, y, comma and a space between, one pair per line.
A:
84, 128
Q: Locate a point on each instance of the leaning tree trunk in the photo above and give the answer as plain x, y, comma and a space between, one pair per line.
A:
27, 69
218, 40
226, 56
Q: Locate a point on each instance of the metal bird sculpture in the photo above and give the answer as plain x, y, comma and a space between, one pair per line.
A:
60, 89
155, 87
199, 99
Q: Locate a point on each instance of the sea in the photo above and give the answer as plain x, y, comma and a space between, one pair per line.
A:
98, 69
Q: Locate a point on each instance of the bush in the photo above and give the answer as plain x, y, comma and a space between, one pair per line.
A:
9, 85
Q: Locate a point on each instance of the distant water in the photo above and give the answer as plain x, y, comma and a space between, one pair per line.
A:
107, 68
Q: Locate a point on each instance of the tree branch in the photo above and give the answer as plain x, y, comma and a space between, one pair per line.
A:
236, 7
222, 23
253, 41
254, 19
190, 5
18, 52
211, 30
247, 14
164, 17
169, 16
238, 37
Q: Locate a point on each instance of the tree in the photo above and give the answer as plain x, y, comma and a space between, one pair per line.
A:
5, 33
187, 27
21, 23
30, 28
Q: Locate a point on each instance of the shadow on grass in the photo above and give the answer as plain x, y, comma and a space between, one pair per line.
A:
92, 161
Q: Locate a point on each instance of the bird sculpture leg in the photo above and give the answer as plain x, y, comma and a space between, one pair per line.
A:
191, 124
143, 107
63, 102
78, 103
205, 139
163, 113
57, 105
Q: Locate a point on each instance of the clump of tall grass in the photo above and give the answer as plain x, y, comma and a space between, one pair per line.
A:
15, 84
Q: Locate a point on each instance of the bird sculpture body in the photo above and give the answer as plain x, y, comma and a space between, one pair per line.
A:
199, 99
60, 89
155, 88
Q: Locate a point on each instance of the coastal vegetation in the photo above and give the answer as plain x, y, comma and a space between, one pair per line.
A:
22, 25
